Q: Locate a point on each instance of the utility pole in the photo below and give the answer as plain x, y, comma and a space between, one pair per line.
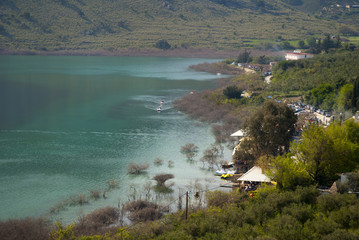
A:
186, 204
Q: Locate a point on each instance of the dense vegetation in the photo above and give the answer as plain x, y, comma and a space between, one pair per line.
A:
271, 214
329, 80
320, 157
112, 25
328, 9
299, 214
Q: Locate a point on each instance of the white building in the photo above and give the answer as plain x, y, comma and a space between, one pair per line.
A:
298, 55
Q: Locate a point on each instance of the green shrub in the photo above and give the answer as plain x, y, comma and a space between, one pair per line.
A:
162, 44
232, 92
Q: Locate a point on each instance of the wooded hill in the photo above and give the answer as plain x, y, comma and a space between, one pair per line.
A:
49, 25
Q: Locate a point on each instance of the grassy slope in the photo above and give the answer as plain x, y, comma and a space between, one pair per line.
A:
328, 9
114, 24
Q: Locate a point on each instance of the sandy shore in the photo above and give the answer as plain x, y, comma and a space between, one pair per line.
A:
180, 52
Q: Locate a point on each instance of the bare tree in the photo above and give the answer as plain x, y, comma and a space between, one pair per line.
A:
162, 178
170, 163
135, 168
28, 228
140, 211
147, 189
112, 184
158, 162
97, 221
211, 155
190, 150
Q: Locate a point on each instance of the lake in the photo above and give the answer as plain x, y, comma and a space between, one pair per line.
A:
69, 125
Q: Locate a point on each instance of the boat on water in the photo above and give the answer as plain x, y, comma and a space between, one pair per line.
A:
159, 108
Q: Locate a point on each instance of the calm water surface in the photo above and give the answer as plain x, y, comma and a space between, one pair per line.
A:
70, 124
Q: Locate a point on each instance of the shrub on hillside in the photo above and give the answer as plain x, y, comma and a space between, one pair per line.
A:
232, 92
141, 211
25, 229
162, 44
97, 221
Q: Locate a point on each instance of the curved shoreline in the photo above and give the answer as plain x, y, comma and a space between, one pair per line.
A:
145, 52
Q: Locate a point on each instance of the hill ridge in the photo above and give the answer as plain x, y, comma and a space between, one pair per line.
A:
111, 24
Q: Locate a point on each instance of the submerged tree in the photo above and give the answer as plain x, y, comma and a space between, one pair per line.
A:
162, 178
158, 162
135, 168
190, 150
212, 154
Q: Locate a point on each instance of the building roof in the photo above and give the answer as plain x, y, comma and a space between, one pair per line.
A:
296, 53
239, 133
254, 175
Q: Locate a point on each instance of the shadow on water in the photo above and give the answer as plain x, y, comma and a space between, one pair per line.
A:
29, 100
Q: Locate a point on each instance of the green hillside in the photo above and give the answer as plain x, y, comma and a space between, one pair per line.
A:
340, 11
117, 24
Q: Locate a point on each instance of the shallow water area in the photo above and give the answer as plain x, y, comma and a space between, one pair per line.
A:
69, 125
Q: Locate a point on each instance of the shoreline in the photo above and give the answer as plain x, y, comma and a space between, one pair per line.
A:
144, 52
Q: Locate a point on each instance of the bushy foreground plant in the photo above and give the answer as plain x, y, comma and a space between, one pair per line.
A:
97, 221
269, 214
25, 229
140, 211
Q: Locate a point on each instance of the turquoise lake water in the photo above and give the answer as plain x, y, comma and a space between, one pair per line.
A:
70, 124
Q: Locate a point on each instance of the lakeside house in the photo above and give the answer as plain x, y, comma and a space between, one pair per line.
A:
297, 54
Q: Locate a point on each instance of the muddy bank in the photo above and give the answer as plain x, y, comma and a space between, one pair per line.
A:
179, 52
219, 68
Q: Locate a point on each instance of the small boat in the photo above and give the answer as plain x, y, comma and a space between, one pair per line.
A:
220, 172
226, 176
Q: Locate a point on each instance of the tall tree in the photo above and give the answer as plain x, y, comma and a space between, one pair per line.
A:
244, 57
327, 152
344, 99
355, 95
270, 129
